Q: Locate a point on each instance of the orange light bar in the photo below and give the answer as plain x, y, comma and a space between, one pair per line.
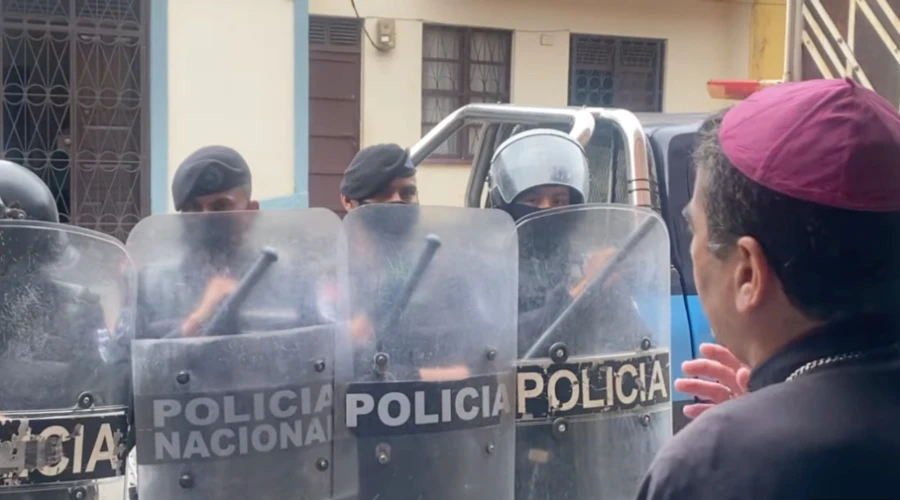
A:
736, 89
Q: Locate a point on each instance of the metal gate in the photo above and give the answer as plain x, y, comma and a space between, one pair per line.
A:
74, 101
859, 39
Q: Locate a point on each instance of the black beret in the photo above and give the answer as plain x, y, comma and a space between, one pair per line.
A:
374, 168
209, 170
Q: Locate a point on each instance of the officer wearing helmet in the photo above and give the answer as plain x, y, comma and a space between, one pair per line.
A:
537, 170
50, 356
25, 256
537, 176
531, 172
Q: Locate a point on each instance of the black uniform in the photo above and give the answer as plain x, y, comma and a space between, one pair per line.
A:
828, 433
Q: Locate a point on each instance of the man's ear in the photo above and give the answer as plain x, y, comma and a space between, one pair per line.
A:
253, 205
347, 203
753, 275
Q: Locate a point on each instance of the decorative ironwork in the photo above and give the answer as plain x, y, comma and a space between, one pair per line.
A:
616, 72
73, 103
462, 66
858, 39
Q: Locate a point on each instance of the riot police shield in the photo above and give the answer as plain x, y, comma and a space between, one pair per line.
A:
233, 360
594, 402
64, 395
426, 362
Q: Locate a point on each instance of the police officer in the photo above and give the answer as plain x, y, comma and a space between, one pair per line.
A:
533, 173
49, 330
27, 286
796, 250
212, 179
179, 299
383, 173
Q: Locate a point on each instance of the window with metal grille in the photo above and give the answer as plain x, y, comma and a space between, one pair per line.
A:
618, 72
462, 66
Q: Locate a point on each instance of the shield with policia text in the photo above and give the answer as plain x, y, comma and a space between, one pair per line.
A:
233, 367
594, 402
425, 366
64, 365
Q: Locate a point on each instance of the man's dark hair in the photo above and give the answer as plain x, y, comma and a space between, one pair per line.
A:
832, 263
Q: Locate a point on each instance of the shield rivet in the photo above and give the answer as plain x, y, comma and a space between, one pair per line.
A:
646, 344
645, 420
489, 448
491, 354
320, 365
382, 359
85, 400
560, 427
559, 352
383, 453
183, 377
322, 464
78, 494
186, 480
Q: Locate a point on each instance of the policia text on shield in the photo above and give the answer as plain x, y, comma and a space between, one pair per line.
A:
358, 420
254, 413
64, 397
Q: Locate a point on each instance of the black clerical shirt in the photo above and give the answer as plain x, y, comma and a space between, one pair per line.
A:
832, 432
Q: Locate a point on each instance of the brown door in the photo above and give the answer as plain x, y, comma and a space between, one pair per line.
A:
335, 68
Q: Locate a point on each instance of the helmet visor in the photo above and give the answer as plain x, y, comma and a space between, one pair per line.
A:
539, 160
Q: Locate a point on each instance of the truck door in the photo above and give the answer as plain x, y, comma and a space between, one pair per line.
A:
672, 147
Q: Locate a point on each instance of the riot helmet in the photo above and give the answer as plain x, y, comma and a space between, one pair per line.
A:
25, 197
21, 189
533, 159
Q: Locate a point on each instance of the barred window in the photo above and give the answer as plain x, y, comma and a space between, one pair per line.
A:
462, 66
606, 71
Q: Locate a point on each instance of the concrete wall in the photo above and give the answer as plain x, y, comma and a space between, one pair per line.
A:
231, 82
704, 40
767, 39
229, 72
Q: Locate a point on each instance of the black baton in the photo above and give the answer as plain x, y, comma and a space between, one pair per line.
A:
432, 244
595, 284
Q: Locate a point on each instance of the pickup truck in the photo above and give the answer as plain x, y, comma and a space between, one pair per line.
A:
638, 159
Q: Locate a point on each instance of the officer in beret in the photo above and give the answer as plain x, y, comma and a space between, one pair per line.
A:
383, 173
212, 179
796, 250
179, 299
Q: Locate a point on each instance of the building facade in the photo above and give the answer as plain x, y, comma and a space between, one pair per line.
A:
105, 98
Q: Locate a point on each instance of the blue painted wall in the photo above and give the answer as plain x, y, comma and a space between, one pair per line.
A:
159, 106
300, 198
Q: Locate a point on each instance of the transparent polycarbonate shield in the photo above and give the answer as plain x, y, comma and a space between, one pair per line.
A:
234, 363
64, 366
426, 363
594, 396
